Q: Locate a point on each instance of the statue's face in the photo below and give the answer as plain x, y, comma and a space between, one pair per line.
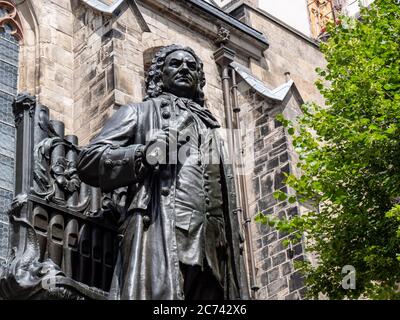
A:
180, 74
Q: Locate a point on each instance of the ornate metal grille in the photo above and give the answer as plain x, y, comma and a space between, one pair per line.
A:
63, 236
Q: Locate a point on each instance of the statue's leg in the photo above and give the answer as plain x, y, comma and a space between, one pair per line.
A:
200, 285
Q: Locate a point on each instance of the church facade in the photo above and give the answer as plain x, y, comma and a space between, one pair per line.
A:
83, 59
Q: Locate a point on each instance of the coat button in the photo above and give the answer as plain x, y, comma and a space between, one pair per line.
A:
166, 114
206, 176
108, 163
207, 200
165, 191
208, 214
146, 220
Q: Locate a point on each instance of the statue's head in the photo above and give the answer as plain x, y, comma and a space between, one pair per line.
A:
178, 70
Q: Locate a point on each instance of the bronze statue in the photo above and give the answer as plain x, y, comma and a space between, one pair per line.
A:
180, 234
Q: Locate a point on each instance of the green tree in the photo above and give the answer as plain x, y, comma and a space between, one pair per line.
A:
350, 159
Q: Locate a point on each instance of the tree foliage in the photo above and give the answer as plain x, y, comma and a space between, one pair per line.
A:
350, 158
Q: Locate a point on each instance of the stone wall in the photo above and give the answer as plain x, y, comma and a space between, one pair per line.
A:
93, 47
56, 59
288, 52
269, 156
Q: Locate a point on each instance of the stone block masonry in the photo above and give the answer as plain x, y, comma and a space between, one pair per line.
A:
273, 159
288, 52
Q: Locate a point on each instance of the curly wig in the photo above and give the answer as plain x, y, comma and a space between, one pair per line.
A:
154, 83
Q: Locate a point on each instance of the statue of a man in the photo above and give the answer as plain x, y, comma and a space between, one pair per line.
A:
181, 233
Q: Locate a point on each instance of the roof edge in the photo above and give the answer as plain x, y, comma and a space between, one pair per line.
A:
109, 9
269, 16
278, 94
225, 17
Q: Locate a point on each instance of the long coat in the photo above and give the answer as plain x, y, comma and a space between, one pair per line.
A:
147, 266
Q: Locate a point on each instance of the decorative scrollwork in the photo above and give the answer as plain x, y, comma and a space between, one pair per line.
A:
9, 17
224, 35
55, 174
23, 101
61, 174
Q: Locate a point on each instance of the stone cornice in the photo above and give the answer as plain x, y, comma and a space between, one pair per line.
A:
244, 40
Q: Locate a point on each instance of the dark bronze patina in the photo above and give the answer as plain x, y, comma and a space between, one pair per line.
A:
146, 211
180, 232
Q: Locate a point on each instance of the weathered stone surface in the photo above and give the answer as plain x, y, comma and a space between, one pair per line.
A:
273, 274
266, 202
278, 150
290, 53
298, 249
262, 229
272, 164
270, 176
259, 243
279, 180
278, 259
259, 169
267, 184
296, 281
264, 278
286, 268
264, 253
293, 296
266, 264
277, 286
276, 247
279, 142
282, 234
293, 211
284, 157
262, 120
268, 239
256, 186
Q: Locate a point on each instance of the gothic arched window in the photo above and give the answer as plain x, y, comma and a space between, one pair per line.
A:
10, 35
